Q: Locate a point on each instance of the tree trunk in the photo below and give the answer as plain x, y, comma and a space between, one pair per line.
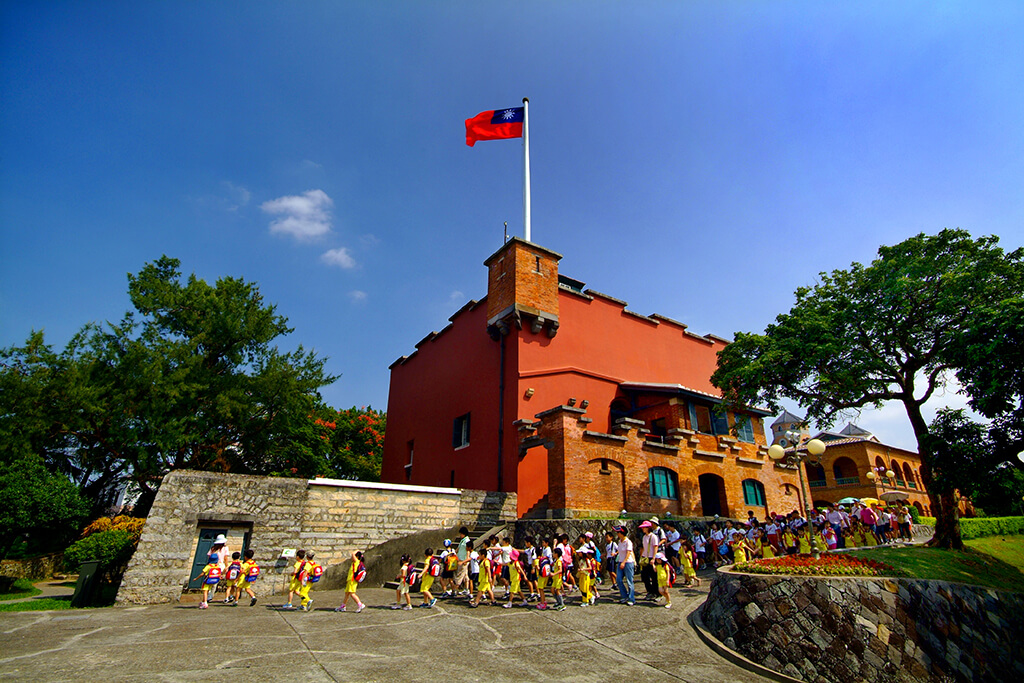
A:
943, 504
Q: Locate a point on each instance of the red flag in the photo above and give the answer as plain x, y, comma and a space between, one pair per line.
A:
498, 124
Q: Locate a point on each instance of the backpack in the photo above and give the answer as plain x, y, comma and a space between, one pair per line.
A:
671, 575
360, 573
545, 567
315, 572
213, 576
451, 561
434, 568
597, 553
234, 571
412, 575
253, 573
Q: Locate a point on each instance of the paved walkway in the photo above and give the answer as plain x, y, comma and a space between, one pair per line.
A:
51, 589
607, 642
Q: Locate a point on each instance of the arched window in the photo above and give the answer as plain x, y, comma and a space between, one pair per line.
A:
663, 483
845, 471
815, 474
908, 475
753, 493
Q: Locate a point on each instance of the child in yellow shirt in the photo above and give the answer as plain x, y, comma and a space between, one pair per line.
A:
211, 573
356, 573
250, 572
483, 586
662, 569
298, 573
556, 581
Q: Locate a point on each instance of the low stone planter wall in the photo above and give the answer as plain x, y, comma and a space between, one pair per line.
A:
867, 629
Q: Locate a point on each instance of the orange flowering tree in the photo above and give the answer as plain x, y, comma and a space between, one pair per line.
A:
353, 440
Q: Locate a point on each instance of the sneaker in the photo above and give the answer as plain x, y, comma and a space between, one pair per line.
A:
203, 605
507, 605
340, 609
630, 603
396, 606
288, 605
525, 603
252, 602
425, 604
407, 607
360, 608
308, 606
668, 605
559, 608
433, 602
584, 604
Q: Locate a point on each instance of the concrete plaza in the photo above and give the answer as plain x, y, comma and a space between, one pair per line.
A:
606, 642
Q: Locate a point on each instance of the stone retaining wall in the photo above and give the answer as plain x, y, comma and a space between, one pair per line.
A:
866, 629
42, 567
332, 517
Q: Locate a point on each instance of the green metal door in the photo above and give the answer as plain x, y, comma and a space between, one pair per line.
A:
206, 537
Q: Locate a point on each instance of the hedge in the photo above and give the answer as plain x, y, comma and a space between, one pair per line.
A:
978, 527
112, 548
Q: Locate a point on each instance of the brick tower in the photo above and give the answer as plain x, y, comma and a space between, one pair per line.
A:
522, 288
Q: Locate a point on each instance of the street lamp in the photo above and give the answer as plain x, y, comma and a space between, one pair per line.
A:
813, 449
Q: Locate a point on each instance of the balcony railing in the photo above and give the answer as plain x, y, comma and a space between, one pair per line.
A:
902, 484
817, 484
912, 484
847, 481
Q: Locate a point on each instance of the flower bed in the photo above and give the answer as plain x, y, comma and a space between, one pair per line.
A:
827, 565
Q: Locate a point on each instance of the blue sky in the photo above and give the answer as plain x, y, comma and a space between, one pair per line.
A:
700, 160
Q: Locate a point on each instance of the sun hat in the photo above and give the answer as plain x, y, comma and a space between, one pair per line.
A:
214, 558
654, 520
661, 556
621, 529
584, 549
645, 525
514, 554
589, 534
220, 540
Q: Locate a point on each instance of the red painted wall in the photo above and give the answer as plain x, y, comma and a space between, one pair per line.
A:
454, 373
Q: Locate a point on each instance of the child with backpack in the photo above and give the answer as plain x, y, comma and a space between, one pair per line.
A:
666, 577
233, 579
556, 581
515, 579
431, 570
544, 570
356, 574
688, 561
584, 577
312, 573
211, 573
297, 581
250, 572
404, 581
483, 584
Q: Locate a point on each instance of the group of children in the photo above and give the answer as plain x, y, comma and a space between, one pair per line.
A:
545, 572
238, 575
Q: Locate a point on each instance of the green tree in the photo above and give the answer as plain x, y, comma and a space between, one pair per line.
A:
190, 378
38, 504
875, 333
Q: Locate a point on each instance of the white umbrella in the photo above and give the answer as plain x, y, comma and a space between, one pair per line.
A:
891, 496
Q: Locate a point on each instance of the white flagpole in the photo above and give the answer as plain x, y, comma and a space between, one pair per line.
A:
526, 168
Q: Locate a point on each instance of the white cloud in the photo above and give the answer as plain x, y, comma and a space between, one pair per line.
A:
369, 240
357, 296
456, 297
338, 257
304, 216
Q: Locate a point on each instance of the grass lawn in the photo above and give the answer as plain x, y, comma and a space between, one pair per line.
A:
994, 562
22, 588
36, 605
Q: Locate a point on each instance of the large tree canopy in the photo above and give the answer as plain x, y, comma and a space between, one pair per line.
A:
891, 330
190, 379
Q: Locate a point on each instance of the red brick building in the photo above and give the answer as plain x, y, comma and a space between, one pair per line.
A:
574, 402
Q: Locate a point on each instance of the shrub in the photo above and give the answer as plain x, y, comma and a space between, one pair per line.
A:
990, 526
132, 525
915, 515
112, 548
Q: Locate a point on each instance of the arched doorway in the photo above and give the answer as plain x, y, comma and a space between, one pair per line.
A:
712, 495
